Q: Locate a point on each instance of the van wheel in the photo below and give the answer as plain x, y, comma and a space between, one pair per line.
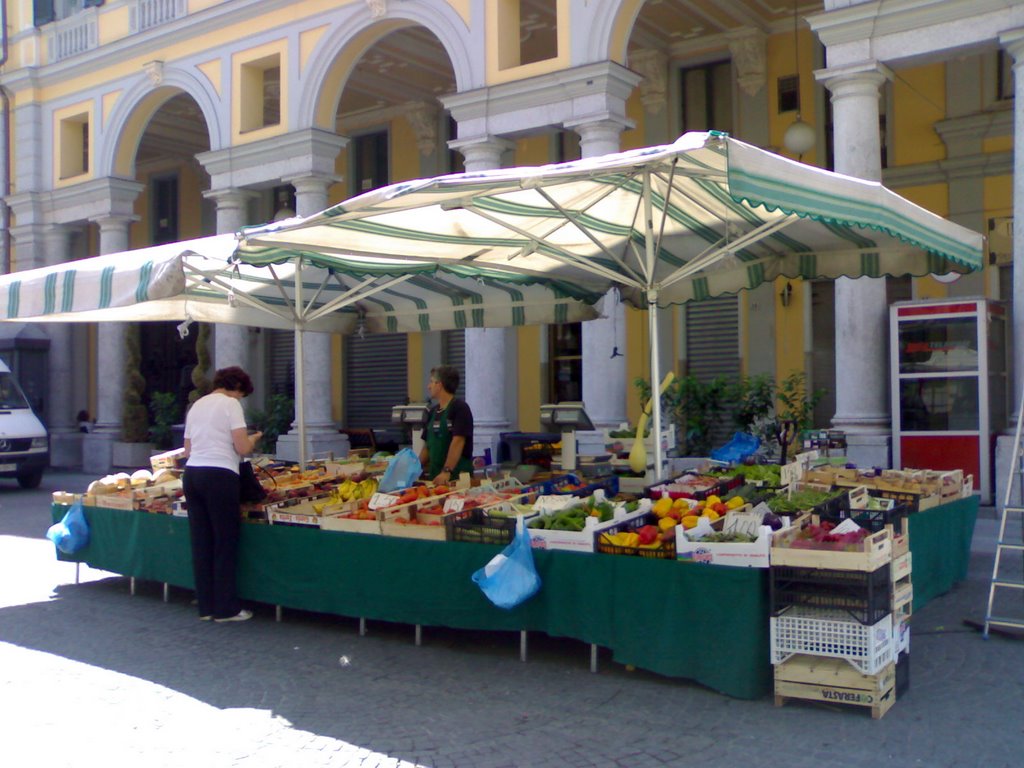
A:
31, 479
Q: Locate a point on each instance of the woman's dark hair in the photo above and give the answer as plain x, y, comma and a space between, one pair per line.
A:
447, 376
233, 379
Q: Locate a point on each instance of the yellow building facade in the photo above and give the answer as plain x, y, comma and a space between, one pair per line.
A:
144, 121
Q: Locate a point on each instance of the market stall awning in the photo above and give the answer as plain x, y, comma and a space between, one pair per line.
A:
200, 280
718, 216
705, 216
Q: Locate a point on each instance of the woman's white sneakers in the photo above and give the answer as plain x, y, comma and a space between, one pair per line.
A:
242, 615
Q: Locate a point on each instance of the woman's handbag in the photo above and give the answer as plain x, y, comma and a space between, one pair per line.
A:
250, 489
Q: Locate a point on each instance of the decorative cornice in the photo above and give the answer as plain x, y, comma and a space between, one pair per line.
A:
978, 166
581, 94
309, 152
749, 53
423, 118
652, 64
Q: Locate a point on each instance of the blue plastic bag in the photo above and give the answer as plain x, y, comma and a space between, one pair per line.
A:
736, 450
403, 470
510, 578
72, 533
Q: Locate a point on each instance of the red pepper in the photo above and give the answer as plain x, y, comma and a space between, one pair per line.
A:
648, 534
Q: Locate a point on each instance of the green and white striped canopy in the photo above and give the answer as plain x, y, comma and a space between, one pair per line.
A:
200, 280
705, 216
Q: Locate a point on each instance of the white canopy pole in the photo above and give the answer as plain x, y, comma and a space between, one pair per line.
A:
652, 319
300, 377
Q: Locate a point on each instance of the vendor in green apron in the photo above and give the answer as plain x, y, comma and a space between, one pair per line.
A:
448, 435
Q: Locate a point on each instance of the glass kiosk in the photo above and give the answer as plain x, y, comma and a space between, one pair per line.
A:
948, 385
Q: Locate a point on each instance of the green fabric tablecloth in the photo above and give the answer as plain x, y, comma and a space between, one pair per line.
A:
702, 622
940, 547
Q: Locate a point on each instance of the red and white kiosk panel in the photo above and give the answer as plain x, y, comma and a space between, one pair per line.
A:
948, 385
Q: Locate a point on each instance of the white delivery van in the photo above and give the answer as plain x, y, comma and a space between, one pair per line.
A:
24, 444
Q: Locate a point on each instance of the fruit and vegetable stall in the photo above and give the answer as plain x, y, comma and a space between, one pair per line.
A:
704, 554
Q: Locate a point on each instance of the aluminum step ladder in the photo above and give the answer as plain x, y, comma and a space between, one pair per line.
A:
1010, 553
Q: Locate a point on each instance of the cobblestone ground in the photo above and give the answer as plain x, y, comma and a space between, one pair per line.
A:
93, 676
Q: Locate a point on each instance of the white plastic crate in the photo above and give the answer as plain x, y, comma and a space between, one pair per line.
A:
831, 632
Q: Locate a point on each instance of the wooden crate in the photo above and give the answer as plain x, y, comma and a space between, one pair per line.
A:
336, 522
834, 681
902, 598
901, 567
398, 523
875, 551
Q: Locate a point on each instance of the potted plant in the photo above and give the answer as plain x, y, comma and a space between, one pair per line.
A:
164, 408
134, 448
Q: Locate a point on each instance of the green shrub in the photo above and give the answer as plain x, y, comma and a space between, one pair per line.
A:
273, 422
134, 419
164, 408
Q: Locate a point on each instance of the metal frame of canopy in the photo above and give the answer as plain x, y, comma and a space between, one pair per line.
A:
705, 216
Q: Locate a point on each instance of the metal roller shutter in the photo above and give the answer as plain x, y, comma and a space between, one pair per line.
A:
376, 378
453, 352
713, 348
280, 364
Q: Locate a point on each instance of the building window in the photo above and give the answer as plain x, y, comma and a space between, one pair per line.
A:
1004, 77
706, 97
260, 93
537, 24
165, 210
565, 351
567, 147
789, 94
45, 11
456, 162
370, 161
74, 145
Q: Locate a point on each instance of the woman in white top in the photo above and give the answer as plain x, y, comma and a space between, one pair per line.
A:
215, 442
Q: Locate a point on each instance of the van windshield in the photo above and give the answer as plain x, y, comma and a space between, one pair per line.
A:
11, 395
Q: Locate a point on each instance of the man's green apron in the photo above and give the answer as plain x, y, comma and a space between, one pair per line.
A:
439, 439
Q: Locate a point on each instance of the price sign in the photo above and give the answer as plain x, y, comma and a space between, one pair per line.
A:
453, 504
790, 473
747, 521
805, 458
379, 500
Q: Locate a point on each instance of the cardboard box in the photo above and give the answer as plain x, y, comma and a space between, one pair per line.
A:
756, 554
577, 541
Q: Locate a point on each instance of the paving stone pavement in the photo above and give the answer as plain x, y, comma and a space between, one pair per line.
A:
92, 676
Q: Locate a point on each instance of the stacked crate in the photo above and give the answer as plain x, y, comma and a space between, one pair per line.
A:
840, 629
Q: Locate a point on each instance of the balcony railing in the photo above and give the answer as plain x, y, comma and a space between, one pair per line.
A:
72, 36
146, 14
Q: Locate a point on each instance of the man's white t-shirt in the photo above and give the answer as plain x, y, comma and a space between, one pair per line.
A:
208, 426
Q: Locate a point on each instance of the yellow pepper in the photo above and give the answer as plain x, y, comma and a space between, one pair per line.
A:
667, 523
735, 502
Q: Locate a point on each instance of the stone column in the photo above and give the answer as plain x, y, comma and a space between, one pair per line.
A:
322, 434
488, 350
65, 439
232, 344
1013, 42
97, 446
862, 317
604, 376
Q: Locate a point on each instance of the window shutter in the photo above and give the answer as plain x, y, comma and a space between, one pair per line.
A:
376, 378
713, 349
280, 362
453, 353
